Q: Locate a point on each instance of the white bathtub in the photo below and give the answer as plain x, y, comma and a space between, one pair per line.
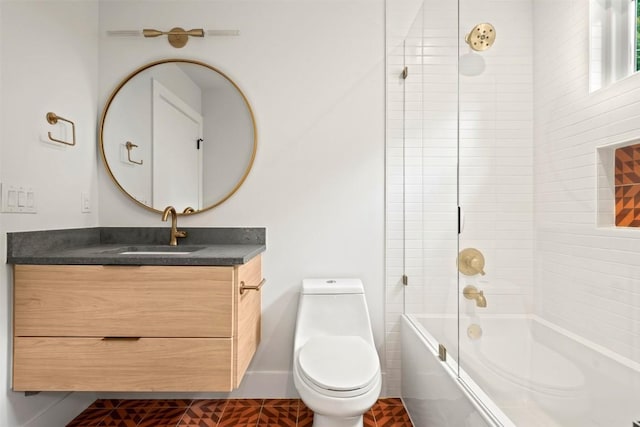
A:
520, 372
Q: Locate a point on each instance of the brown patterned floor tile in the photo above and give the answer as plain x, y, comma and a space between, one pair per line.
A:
125, 417
280, 416
209, 405
232, 403
392, 417
89, 418
136, 403
281, 402
202, 422
204, 413
161, 417
105, 404
172, 403
368, 419
305, 416
386, 412
238, 413
388, 401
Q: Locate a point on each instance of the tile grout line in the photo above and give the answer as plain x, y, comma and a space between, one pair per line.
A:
184, 413
224, 409
260, 413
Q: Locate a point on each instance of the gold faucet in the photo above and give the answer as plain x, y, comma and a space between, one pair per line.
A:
471, 292
175, 233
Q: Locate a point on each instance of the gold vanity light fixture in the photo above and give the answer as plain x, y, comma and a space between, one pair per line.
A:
481, 37
178, 37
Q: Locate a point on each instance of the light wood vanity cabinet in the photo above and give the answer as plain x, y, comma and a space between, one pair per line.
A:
134, 328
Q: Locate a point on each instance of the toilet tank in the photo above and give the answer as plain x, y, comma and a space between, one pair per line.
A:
334, 307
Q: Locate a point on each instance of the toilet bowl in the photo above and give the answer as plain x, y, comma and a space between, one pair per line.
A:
336, 368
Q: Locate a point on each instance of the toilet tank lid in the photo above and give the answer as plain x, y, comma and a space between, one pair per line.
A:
332, 286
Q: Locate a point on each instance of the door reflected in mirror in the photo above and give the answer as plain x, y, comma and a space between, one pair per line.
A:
189, 129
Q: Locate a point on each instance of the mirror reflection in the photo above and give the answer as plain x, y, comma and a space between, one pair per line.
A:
180, 133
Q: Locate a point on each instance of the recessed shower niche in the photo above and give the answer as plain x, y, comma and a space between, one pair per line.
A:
619, 185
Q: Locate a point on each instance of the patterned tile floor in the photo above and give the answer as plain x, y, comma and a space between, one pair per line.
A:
387, 412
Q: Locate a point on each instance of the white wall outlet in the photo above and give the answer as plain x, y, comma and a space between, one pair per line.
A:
85, 202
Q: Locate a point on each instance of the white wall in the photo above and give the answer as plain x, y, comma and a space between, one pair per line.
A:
48, 63
587, 277
313, 72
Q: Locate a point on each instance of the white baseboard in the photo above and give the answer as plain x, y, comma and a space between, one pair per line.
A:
255, 385
64, 410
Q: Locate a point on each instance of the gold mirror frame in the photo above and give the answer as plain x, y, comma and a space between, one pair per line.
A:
186, 61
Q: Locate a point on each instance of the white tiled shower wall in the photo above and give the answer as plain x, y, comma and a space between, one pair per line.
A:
496, 165
587, 278
530, 208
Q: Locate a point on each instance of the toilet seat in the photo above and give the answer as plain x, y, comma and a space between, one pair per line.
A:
338, 366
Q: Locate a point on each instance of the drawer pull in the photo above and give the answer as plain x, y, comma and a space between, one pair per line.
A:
120, 338
244, 287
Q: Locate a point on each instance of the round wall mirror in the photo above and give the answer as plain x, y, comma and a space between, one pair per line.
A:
178, 133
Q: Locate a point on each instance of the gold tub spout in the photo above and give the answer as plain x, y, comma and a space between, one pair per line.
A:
471, 292
175, 233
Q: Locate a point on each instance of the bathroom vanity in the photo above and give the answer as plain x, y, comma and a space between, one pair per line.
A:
127, 316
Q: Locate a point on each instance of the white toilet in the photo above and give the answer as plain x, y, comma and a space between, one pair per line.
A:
336, 369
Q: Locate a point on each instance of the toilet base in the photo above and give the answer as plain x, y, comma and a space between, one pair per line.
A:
320, 420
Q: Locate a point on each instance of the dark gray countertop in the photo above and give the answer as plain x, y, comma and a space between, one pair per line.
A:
135, 246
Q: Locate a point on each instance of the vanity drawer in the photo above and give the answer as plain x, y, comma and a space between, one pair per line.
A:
124, 301
145, 364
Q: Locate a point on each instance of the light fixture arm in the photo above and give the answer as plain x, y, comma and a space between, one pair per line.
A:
177, 36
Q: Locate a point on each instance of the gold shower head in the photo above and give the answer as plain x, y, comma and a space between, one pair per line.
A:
481, 37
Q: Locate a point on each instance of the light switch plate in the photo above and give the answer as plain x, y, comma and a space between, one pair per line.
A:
18, 198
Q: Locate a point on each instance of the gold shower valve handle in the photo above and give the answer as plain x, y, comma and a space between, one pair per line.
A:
471, 262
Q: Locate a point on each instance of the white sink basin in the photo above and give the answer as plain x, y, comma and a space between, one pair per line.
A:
155, 253
164, 250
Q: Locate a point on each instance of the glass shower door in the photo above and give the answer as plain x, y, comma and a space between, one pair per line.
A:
429, 174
